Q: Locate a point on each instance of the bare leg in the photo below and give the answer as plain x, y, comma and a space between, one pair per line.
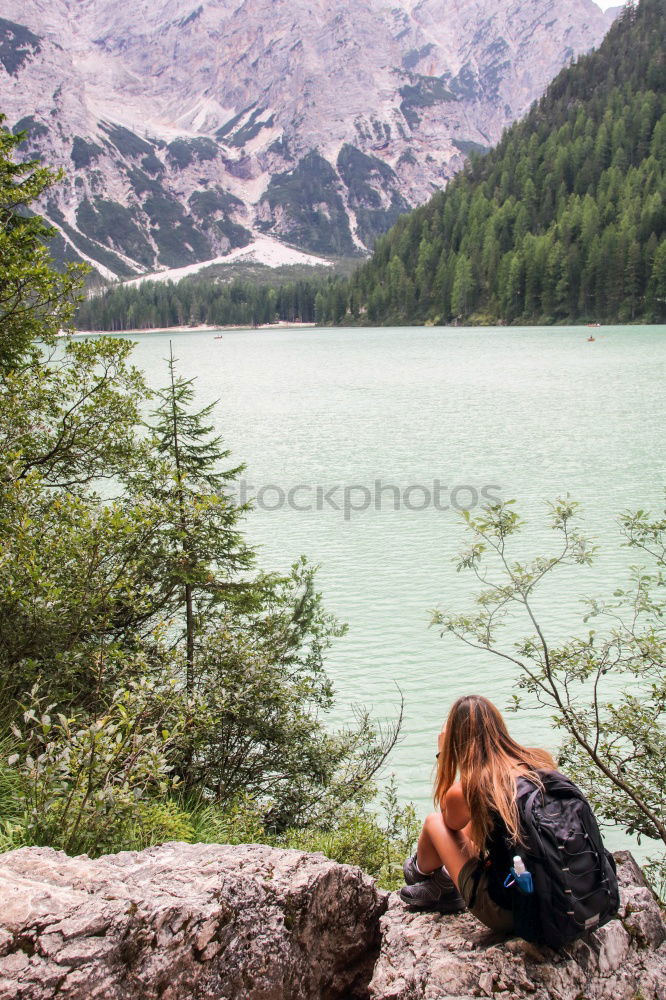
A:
440, 845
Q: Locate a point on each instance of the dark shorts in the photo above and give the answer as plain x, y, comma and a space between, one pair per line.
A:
484, 908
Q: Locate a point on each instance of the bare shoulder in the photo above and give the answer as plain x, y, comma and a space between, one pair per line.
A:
456, 810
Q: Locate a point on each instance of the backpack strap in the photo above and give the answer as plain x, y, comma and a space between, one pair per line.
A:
528, 809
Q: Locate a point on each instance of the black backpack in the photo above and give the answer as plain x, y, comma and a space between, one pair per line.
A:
575, 885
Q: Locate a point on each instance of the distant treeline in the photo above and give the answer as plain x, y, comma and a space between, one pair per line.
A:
164, 304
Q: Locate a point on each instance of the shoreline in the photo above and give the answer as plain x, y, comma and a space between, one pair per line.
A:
286, 325
200, 328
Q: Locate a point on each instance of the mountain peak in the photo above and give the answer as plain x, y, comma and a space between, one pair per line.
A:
189, 128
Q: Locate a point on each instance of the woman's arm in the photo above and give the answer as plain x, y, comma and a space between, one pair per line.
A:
454, 809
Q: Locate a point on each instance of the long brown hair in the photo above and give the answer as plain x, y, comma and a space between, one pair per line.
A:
477, 745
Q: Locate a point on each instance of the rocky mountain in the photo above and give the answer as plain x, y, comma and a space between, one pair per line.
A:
563, 221
188, 128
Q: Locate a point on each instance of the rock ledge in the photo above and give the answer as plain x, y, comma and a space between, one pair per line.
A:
211, 922
185, 921
431, 957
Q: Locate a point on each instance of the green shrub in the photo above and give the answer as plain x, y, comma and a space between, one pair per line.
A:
157, 822
12, 824
361, 837
239, 822
84, 781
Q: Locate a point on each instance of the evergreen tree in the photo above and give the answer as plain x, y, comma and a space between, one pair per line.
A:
461, 294
206, 546
35, 301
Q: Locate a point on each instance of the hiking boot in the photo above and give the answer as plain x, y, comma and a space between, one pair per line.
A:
411, 872
436, 892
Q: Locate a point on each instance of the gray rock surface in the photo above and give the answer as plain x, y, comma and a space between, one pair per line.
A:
209, 922
432, 957
185, 922
186, 128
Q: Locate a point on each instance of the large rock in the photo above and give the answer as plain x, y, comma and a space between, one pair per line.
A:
431, 957
205, 922
185, 921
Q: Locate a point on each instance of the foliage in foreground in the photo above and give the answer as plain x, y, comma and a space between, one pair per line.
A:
377, 838
154, 684
604, 689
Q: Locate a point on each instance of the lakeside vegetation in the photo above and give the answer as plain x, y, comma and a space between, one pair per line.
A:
240, 294
603, 688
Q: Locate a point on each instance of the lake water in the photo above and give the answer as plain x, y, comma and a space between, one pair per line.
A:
526, 414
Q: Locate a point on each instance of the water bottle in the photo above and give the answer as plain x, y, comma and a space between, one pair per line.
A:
522, 876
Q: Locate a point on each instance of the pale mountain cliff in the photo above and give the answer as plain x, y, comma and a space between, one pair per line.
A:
187, 129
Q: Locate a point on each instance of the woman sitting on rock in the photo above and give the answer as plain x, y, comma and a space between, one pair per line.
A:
477, 817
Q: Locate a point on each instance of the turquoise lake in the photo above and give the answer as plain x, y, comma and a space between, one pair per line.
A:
527, 414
